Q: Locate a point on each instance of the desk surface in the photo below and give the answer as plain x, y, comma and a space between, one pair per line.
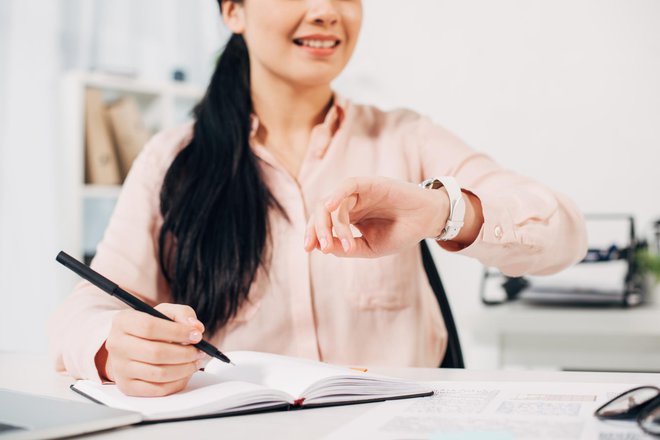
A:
33, 373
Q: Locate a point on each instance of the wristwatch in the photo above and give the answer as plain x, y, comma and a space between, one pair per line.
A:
456, 205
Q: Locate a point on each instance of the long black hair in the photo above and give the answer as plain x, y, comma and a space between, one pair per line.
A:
214, 201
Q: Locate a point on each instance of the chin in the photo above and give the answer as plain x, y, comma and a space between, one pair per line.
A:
313, 82
315, 77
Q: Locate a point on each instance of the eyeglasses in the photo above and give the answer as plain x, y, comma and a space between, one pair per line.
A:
641, 404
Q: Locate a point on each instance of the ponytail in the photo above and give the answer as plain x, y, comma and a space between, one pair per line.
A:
214, 201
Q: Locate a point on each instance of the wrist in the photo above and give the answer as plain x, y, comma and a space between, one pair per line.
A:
454, 221
101, 362
438, 212
474, 220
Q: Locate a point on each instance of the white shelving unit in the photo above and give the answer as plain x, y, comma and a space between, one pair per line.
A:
517, 335
88, 207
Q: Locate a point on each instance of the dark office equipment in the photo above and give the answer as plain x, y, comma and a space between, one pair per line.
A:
628, 290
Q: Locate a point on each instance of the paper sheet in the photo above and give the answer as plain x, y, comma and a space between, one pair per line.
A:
496, 411
295, 376
291, 375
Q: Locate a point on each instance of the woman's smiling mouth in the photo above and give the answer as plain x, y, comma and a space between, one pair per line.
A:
320, 45
310, 42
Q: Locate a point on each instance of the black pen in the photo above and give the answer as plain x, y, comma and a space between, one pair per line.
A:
109, 287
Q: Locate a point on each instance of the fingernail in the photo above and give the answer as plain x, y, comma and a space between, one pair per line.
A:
195, 336
193, 321
201, 355
307, 241
345, 244
324, 243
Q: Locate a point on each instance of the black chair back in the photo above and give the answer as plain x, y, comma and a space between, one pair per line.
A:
453, 356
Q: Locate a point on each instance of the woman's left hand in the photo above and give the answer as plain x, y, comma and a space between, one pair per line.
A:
390, 214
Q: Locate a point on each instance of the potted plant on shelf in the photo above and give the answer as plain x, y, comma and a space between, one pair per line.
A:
649, 263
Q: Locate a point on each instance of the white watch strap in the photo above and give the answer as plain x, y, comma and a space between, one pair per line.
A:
456, 205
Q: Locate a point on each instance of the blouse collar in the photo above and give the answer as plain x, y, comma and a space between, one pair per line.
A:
322, 133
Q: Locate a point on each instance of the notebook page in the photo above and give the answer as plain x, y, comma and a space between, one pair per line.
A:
291, 375
204, 394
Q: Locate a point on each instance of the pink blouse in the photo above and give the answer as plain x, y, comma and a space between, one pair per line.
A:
341, 310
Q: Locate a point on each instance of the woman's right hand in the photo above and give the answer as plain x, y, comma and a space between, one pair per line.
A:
149, 356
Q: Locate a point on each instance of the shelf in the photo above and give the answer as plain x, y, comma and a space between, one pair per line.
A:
162, 104
529, 319
138, 86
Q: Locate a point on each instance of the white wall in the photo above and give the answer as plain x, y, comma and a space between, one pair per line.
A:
39, 40
28, 193
147, 38
567, 91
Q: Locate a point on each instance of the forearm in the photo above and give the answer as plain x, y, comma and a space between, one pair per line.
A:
533, 231
527, 229
512, 222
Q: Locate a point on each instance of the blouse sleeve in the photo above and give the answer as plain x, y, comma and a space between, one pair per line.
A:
127, 254
528, 228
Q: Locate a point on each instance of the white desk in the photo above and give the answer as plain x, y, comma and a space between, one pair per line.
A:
32, 373
605, 339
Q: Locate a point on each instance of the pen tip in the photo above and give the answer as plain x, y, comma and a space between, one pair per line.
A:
232, 364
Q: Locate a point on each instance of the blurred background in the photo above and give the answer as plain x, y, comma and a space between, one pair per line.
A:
566, 91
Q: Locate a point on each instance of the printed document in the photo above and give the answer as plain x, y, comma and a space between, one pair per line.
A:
496, 411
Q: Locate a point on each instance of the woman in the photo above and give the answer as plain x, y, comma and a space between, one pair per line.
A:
224, 216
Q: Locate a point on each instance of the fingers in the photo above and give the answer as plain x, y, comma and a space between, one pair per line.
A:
311, 240
342, 225
319, 230
181, 313
349, 187
152, 328
137, 387
151, 356
335, 214
153, 352
359, 249
160, 374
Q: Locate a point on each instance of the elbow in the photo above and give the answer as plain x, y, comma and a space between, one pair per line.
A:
566, 242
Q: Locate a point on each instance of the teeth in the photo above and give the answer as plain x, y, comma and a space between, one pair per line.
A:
320, 44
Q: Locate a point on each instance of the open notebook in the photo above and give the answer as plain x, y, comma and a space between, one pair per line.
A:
258, 382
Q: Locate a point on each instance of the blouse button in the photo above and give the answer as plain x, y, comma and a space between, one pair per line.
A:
498, 232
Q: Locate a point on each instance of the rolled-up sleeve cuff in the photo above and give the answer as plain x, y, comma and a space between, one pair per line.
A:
80, 363
496, 237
